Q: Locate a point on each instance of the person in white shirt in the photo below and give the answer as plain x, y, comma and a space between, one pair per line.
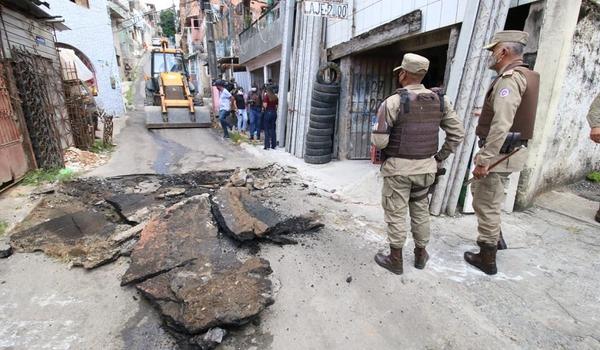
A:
225, 101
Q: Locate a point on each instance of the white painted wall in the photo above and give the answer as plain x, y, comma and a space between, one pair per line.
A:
91, 33
374, 13
561, 149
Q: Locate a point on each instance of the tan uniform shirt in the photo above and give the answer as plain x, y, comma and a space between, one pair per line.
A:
400, 166
506, 95
593, 116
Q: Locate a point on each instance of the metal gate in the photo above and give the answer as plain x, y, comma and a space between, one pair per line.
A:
13, 156
372, 82
37, 83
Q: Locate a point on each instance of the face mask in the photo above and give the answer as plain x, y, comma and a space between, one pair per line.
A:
240, 93
492, 61
253, 89
401, 77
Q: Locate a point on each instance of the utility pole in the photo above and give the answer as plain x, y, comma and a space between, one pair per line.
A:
284, 73
210, 38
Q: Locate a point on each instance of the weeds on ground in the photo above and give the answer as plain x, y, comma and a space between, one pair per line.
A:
236, 137
594, 176
129, 95
100, 147
3, 227
39, 176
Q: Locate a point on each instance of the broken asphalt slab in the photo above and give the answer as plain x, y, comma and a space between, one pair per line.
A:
244, 218
82, 239
192, 276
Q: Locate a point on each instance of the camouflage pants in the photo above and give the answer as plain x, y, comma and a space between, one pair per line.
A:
488, 198
396, 201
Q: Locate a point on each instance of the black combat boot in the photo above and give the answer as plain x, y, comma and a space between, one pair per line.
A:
598, 215
421, 258
485, 260
392, 262
501, 243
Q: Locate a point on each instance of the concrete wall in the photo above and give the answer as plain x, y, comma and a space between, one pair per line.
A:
91, 33
255, 43
369, 14
562, 150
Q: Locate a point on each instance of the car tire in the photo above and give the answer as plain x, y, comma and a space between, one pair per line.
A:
329, 66
320, 104
323, 119
327, 88
318, 138
320, 132
317, 125
325, 97
328, 145
317, 151
323, 111
317, 159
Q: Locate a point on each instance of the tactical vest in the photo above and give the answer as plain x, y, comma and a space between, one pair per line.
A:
524, 121
414, 134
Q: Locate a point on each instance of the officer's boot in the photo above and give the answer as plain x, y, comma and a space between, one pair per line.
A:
392, 262
501, 243
598, 215
421, 258
485, 260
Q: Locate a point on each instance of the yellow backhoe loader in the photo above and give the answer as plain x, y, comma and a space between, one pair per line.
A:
170, 99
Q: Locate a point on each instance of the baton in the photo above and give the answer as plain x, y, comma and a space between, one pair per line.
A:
498, 162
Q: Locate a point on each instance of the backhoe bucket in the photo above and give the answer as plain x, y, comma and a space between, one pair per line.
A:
177, 118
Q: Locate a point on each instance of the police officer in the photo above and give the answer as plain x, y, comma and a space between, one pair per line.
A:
506, 122
407, 130
593, 118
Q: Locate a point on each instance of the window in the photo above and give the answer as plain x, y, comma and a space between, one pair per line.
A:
195, 23
168, 62
81, 3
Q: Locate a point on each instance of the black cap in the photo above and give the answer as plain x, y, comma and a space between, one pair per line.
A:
219, 82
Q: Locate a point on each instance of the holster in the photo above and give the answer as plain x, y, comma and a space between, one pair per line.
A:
512, 141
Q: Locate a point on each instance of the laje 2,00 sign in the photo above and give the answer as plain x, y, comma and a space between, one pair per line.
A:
334, 9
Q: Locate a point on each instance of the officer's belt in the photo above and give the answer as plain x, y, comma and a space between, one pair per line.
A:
515, 144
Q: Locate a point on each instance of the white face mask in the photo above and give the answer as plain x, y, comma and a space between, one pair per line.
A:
492, 61
253, 89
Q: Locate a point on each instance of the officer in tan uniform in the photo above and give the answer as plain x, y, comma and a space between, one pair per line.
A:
593, 118
506, 123
407, 130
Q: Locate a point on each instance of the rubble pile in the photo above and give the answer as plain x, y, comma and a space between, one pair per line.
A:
181, 232
80, 160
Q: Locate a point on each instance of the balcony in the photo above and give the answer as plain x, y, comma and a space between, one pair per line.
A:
118, 8
265, 34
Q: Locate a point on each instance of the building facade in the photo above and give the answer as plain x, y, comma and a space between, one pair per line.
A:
374, 36
91, 36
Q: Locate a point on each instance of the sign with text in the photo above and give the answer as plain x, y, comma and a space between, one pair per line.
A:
326, 8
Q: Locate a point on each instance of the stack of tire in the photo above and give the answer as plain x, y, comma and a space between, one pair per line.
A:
323, 111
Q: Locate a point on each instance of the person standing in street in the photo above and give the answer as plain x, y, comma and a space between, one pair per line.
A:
270, 103
593, 118
407, 130
506, 123
240, 103
225, 102
255, 104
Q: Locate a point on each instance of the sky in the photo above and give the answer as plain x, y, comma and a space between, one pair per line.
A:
163, 4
